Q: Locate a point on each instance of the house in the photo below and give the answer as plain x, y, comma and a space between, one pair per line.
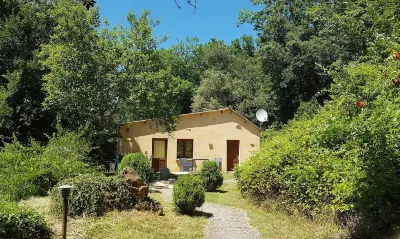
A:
218, 134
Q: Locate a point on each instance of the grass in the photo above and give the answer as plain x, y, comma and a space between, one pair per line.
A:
134, 224
269, 222
126, 224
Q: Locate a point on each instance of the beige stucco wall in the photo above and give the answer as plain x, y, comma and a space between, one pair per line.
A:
209, 131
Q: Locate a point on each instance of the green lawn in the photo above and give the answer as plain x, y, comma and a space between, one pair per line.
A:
126, 224
270, 223
134, 224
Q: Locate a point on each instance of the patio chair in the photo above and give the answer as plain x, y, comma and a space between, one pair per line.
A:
185, 165
219, 162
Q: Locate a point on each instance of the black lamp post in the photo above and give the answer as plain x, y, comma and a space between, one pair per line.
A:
65, 191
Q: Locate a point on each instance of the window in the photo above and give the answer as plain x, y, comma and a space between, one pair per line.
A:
185, 148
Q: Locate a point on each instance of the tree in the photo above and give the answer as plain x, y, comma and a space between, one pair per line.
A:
99, 79
182, 62
232, 78
24, 26
301, 42
91, 3
244, 45
215, 92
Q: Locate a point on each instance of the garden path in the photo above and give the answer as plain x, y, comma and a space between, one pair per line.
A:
225, 222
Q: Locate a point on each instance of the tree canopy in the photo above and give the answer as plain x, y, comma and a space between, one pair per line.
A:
327, 72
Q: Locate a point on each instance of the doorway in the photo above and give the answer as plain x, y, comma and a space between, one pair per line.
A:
159, 152
232, 154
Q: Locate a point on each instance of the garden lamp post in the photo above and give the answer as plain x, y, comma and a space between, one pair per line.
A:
65, 191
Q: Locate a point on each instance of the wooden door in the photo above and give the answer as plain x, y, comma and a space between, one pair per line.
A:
232, 154
159, 154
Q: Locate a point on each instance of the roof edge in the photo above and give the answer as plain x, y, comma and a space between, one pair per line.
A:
200, 112
246, 119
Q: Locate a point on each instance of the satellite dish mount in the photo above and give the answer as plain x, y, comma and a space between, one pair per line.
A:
262, 116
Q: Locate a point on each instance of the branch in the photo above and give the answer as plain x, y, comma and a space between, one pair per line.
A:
177, 4
194, 5
190, 2
90, 3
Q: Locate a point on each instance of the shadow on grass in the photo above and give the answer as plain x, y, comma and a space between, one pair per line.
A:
220, 191
201, 214
154, 191
160, 186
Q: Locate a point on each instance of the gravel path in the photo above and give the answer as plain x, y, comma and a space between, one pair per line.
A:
225, 222
230, 181
163, 187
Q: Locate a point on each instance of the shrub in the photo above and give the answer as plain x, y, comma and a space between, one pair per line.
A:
237, 172
140, 163
211, 176
32, 170
344, 160
18, 169
93, 195
19, 222
149, 204
188, 193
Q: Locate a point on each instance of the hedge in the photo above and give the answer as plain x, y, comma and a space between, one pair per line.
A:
32, 170
21, 223
344, 161
93, 195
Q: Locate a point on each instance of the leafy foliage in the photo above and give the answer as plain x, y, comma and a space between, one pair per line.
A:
93, 195
231, 78
140, 163
33, 170
302, 41
100, 78
344, 160
19, 223
24, 26
58, 60
188, 193
211, 176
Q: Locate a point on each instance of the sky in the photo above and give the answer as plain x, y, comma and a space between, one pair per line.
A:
212, 19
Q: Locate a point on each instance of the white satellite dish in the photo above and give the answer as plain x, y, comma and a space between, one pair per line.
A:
262, 115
